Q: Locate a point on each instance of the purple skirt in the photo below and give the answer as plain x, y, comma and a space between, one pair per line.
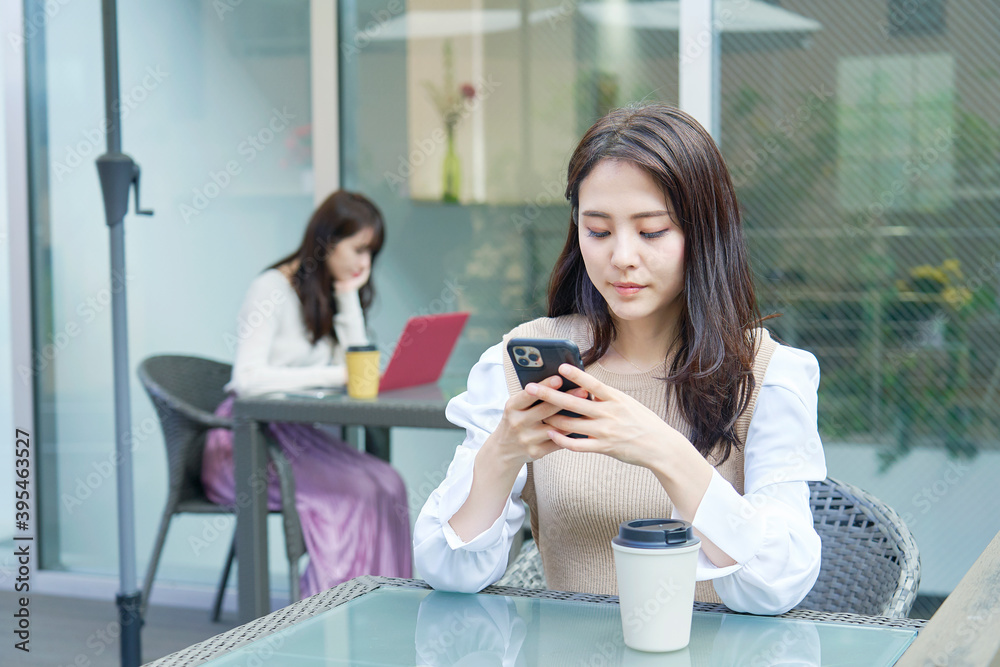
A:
353, 508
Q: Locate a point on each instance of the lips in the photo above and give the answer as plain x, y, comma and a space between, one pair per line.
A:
627, 288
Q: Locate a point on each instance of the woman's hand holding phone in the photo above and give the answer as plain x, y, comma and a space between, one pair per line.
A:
523, 431
613, 422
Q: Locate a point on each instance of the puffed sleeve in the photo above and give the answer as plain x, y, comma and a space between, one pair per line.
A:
442, 558
769, 530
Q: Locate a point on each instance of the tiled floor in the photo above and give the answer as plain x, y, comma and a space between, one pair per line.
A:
82, 633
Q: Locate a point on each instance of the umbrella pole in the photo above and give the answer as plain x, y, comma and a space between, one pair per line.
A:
117, 173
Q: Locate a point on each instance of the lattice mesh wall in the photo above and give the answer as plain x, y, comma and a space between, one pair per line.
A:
864, 140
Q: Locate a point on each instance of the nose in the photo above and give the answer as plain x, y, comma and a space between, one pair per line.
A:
625, 253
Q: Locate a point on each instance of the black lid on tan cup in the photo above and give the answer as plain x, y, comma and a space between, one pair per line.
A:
656, 534
362, 348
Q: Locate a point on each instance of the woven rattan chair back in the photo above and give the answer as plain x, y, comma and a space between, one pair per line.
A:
870, 564
185, 392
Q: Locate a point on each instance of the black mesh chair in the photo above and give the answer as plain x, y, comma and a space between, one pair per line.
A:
185, 392
870, 563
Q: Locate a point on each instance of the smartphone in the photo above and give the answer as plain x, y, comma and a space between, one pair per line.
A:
538, 358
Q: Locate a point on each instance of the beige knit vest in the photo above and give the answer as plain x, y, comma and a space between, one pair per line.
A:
577, 500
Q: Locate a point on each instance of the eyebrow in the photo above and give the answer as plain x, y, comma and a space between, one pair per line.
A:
635, 216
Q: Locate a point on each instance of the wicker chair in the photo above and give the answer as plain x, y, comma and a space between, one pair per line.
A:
185, 392
870, 561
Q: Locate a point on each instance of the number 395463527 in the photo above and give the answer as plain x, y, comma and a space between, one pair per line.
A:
22, 472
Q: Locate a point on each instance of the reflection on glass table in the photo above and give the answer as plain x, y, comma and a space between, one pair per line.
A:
407, 626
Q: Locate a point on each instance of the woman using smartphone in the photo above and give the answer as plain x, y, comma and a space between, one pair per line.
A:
655, 287
297, 319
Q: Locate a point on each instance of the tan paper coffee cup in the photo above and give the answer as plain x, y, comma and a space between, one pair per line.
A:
362, 371
655, 561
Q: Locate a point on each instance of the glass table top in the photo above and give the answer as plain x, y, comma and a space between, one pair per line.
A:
400, 626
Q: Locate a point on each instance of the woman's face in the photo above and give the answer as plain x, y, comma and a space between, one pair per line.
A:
631, 244
351, 258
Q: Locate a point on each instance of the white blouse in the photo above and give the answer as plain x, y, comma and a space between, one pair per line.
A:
274, 350
768, 531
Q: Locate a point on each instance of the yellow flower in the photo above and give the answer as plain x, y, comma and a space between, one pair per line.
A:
926, 271
952, 266
957, 297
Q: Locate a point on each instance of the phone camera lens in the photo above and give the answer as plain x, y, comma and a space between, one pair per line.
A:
522, 361
519, 351
533, 356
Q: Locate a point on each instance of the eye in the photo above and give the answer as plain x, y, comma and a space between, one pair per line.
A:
597, 235
654, 235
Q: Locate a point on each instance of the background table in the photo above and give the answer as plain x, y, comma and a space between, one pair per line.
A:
382, 621
417, 407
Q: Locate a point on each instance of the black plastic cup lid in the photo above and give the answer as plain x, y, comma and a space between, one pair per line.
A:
362, 348
656, 534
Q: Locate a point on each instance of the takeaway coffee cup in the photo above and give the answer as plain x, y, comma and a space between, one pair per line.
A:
362, 371
655, 562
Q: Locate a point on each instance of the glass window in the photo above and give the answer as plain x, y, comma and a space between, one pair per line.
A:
867, 168
460, 122
216, 110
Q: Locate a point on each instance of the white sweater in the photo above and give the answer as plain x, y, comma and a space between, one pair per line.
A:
274, 352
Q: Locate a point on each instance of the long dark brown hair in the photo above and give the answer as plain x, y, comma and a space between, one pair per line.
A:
341, 215
712, 371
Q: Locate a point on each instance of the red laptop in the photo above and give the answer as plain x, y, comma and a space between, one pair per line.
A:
422, 350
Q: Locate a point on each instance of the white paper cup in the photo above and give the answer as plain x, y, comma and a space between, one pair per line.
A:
655, 561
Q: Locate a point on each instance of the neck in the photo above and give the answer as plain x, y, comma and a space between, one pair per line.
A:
645, 343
